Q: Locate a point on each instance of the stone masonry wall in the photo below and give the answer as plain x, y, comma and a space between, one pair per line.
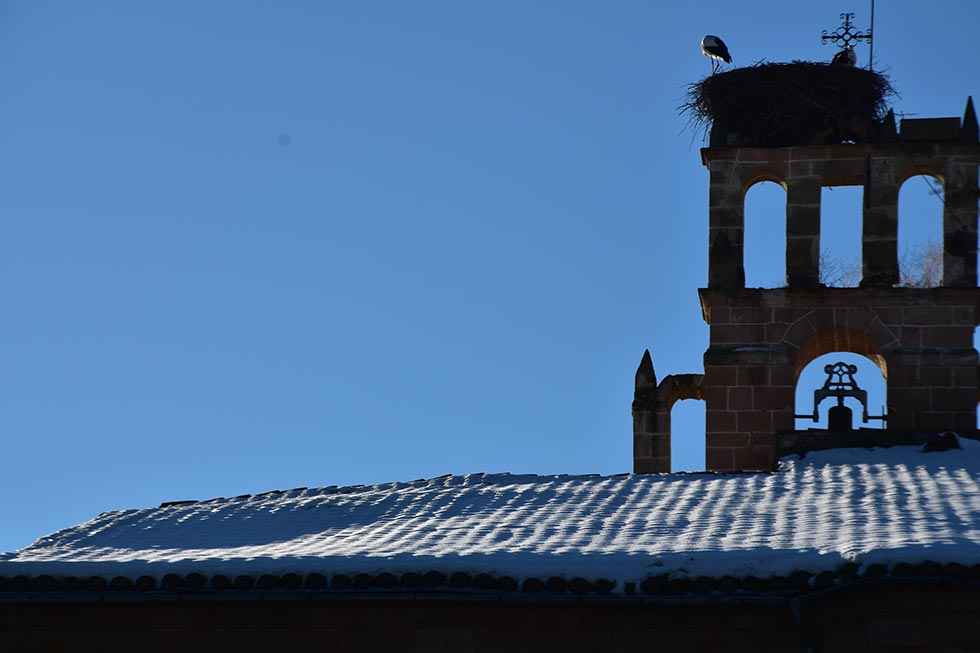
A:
909, 617
802, 171
762, 339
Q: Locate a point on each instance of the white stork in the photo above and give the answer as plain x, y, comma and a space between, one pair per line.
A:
716, 50
845, 57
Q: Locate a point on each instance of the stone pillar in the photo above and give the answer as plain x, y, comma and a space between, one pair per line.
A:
960, 223
651, 424
803, 232
747, 384
930, 392
904, 399
726, 226
879, 241
721, 428
932, 376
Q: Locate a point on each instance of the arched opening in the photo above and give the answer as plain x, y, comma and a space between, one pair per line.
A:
840, 235
764, 254
870, 376
828, 340
920, 232
687, 442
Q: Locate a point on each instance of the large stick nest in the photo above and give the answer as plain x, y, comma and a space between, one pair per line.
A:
798, 103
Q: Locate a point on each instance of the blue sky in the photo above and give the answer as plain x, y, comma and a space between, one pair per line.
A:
257, 245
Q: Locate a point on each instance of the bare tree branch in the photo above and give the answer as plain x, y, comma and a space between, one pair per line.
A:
919, 267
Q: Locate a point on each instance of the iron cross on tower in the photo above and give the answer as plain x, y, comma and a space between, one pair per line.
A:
846, 36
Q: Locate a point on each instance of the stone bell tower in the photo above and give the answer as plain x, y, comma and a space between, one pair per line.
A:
761, 339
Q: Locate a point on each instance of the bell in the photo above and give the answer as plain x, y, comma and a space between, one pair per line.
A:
840, 418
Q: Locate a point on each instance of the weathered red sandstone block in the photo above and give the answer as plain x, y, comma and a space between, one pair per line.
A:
781, 375
752, 353
900, 417
827, 339
642, 446
782, 420
953, 398
780, 354
965, 376
959, 357
740, 398
750, 315
809, 153
742, 333
764, 439
965, 422
730, 439
720, 375
928, 315
644, 421
651, 466
661, 447
725, 217
844, 172
932, 421
844, 298
804, 220
719, 315
822, 319
800, 170
935, 376
941, 336
723, 334
762, 154
911, 336
724, 196
756, 421
786, 315
754, 375
883, 197
882, 335
755, 457
914, 399
719, 458
917, 357
716, 397
774, 398
801, 331
902, 376
854, 318
965, 315
879, 224
890, 315
805, 191
880, 263
775, 332
720, 421
803, 268
720, 157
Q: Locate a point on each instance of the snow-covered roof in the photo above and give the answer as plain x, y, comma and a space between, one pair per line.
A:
848, 505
